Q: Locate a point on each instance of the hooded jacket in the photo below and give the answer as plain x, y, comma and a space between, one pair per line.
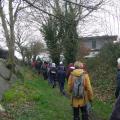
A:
77, 102
61, 75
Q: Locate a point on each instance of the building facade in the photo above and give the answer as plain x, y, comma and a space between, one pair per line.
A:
97, 42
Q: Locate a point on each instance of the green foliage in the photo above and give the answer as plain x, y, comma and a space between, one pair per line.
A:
36, 100
50, 33
16, 93
105, 107
103, 71
110, 53
20, 76
61, 36
70, 42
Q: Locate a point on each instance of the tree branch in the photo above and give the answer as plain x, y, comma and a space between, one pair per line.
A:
6, 31
18, 9
90, 11
90, 8
32, 5
87, 7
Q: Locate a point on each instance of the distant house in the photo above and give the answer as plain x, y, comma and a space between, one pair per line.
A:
97, 42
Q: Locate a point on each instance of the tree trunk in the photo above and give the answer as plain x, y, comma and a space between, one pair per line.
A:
11, 46
9, 35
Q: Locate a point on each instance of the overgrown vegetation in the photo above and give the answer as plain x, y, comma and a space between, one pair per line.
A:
103, 70
61, 35
36, 100
50, 31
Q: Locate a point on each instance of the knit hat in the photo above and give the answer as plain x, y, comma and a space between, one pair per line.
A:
61, 63
53, 65
118, 60
78, 64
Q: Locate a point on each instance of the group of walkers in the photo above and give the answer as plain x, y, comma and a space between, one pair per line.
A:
78, 84
55, 74
58, 74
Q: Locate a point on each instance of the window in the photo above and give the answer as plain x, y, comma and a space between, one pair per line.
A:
93, 44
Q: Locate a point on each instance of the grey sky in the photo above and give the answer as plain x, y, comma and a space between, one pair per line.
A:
104, 21
101, 22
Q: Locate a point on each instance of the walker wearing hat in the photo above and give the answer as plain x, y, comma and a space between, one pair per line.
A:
78, 64
118, 60
61, 63
53, 65
80, 103
53, 74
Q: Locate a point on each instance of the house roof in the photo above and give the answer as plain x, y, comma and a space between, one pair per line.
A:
105, 37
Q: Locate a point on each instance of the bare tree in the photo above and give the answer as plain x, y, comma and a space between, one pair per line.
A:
26, 41
68, 14
47, 6
22, 38
8, 24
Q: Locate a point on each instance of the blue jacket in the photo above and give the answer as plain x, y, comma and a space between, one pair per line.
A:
53, 73
118, 84
61, 75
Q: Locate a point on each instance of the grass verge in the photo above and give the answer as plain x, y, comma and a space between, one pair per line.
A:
36, 100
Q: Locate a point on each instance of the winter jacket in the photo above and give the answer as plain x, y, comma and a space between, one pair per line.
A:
77, 102
53, 72
61, 75
118, 84
116, 111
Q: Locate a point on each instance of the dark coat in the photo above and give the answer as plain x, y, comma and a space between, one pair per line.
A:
61, 75
53, 73
116, 111
118, 84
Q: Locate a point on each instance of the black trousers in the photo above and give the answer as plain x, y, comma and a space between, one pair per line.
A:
84, 113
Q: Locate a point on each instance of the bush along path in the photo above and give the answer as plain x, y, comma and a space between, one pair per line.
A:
34, 99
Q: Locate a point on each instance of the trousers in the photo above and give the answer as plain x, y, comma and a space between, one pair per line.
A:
84, 113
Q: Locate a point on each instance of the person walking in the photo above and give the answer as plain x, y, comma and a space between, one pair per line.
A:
53, 74
38, 65
33, 64
85, 91
61, 75
116, 110
117, 92
44, 70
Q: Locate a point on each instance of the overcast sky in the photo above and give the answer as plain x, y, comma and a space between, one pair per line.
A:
104, 21
101, 22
